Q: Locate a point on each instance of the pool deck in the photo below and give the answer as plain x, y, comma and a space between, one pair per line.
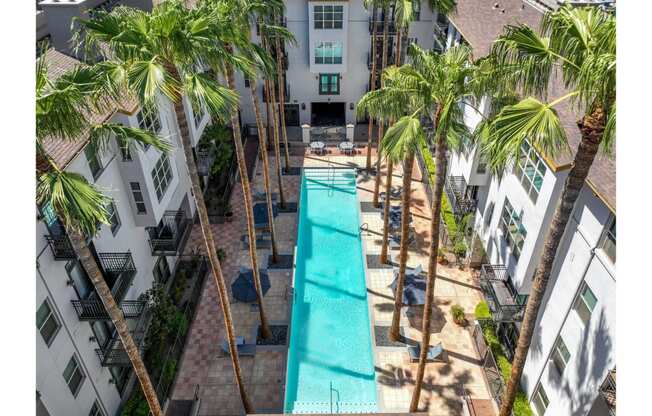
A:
205, 368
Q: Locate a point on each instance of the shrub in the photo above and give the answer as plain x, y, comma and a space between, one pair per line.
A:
136, 405
222, 151
458, 314
482, 311
221, 254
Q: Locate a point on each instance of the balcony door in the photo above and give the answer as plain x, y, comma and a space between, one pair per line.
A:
80, 280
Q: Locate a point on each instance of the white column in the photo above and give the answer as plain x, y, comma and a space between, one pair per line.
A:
305, 133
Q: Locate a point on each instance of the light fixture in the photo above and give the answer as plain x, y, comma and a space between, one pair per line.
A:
303, 106
350, 106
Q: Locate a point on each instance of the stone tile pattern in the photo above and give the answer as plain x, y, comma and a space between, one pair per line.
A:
206, 368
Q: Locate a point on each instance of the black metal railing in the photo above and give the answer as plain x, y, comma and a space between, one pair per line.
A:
490, 368
113, 354
498, 293
61, 247
165, 239
456, 193
92, 309
608, 391
119, 271
380, 24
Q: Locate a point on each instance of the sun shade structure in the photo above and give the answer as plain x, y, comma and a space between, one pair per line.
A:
243, 288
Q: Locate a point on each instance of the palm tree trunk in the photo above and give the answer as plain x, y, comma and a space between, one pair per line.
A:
277, 156
263, 151
388, 190
441, 165
87, 260
281, 95
591, 127
271, 100
372, 86
394, 332
381, 126
211, 249
246, 193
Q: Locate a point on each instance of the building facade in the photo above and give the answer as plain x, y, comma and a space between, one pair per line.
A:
81, 366
571, 362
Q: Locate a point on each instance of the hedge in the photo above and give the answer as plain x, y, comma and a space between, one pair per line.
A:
482, 314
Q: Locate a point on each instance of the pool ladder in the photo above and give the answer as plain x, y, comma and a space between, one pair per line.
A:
364, 227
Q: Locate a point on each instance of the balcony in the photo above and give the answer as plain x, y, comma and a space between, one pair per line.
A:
608, 391
457, 196
113, 354
391, 27
166, 238
119, 272
500, 296
61, 247
92, 309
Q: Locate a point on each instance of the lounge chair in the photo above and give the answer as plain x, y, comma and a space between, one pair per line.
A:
435, 353
244, 350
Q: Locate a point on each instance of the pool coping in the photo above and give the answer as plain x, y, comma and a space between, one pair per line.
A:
379, 394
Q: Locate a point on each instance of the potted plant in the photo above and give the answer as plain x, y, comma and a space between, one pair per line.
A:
441, 256
459, 317
459, 250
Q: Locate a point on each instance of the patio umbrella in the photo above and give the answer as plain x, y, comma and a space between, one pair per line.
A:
260, 213
243, 287
414, 290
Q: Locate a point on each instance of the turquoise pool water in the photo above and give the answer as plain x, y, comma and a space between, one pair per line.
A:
330, 362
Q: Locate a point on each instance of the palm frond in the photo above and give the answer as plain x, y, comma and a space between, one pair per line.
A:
79, 204
405, 137
126, 137
530, 120
208, 93
147, 78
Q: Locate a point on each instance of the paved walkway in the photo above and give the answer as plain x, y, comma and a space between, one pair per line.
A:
204, 365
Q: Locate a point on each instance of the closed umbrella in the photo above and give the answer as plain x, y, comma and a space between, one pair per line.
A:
243, 287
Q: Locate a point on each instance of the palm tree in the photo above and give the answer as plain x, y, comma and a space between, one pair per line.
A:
381, 122
581, 43
280, 71
162, 52
63, 110
372, 86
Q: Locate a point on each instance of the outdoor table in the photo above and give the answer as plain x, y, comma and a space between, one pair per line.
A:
346, 147
317, 146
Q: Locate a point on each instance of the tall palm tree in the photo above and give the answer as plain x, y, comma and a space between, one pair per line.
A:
280, 73
381, 122
373, 4
161, 53
64, 109
581, 43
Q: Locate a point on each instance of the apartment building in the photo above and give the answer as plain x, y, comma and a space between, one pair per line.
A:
81, 366
328, 71
570, 369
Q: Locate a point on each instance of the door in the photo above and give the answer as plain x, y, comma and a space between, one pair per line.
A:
292, 115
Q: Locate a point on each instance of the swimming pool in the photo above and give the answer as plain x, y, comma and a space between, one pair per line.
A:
330, 362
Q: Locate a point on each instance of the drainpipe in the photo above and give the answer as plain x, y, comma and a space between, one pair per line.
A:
72, 339
577, 289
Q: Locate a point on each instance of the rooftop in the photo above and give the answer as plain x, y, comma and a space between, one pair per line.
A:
480, 22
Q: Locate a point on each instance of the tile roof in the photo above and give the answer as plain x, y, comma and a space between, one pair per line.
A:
64, 151
480, 23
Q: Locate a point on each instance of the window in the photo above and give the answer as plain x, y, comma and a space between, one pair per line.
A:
125, 152
114, 218
197, 114
540, 400
95, 410
329, 84
481, 169
73, 375
328, 17
560, 355
488, 214
161, 175
148, 119
608, 244
94, 161
328, 53
161, 271
138, 197
47, 324
247, 82
530, 170
585, 303
513, 230
416, 10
